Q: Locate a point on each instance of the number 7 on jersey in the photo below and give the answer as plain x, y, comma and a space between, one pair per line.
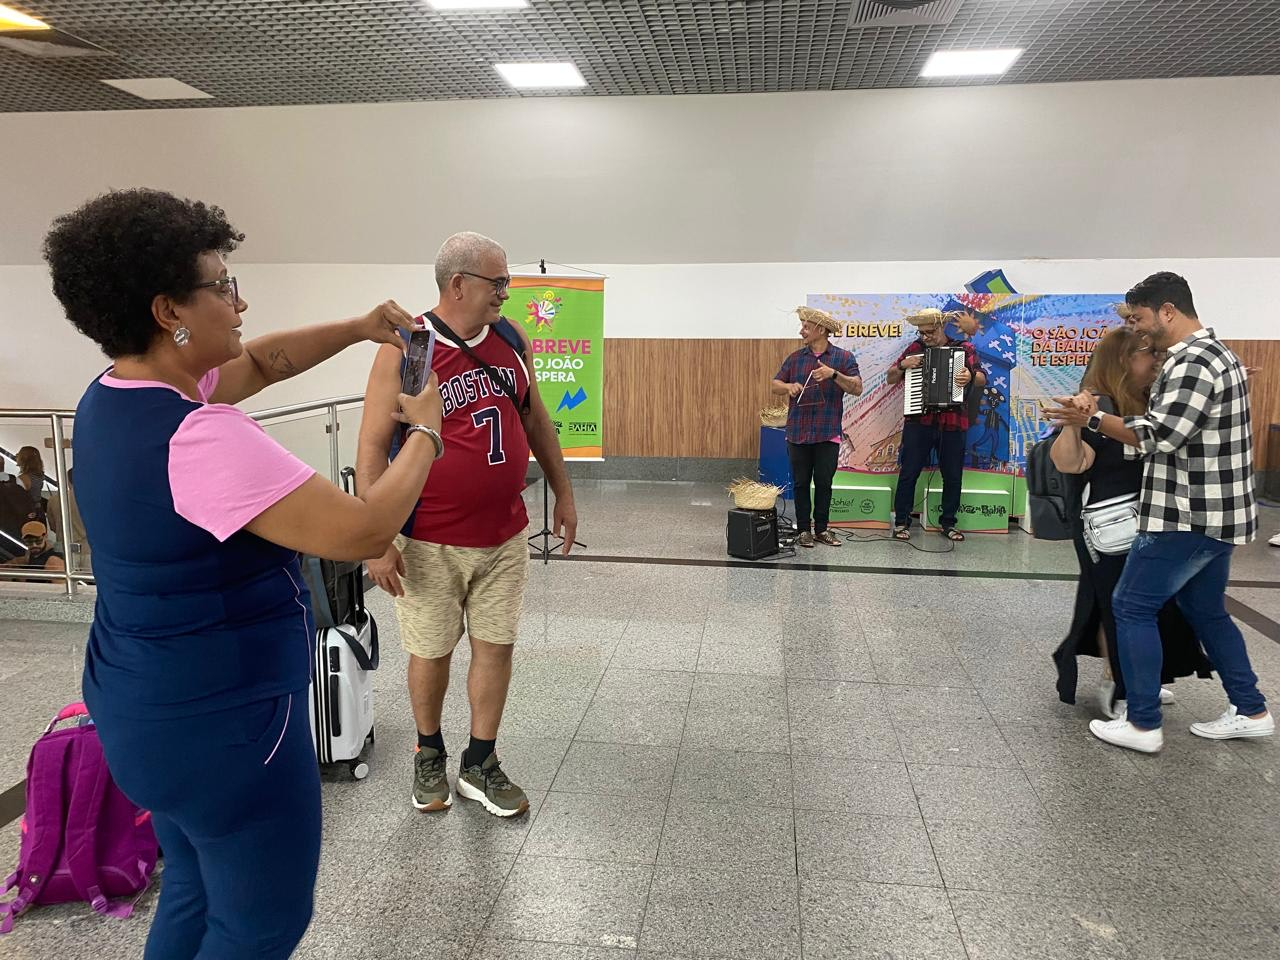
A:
494, 419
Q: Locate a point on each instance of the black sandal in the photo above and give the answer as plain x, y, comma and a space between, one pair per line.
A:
902, 533
952, 534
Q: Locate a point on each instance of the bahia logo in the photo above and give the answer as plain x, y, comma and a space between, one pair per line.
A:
542, 312
569, 401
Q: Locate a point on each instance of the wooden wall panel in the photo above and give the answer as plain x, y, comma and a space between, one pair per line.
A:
641, 392
701, 398
724, 384
1262, 357
687, 398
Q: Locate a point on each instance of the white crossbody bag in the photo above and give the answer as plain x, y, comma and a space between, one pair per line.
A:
1110, 526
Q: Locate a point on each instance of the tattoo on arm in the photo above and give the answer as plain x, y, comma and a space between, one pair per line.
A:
281, 365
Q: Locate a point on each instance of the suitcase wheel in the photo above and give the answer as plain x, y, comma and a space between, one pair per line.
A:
359, 769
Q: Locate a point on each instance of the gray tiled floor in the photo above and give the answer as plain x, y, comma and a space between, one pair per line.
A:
769, 764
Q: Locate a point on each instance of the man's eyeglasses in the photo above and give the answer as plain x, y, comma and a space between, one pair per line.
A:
500, 284
225, 287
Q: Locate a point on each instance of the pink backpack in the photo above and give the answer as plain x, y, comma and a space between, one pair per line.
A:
82, 839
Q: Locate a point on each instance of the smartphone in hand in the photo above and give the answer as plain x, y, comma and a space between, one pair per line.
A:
417, 362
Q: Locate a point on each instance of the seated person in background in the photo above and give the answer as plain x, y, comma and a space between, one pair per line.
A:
1120, 375
39, 555
15, 511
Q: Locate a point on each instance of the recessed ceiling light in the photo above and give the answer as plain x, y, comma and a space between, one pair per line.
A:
969, 63
477, 4
11, 19
159, 88
540, 76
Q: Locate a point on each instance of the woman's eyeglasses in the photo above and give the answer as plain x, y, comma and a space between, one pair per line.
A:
225, 287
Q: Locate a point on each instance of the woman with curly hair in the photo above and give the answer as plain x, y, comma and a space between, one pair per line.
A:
197, 662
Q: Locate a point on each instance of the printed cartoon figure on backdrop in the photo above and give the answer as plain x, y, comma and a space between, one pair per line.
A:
981, 318
542, 312
968, 323
989, 451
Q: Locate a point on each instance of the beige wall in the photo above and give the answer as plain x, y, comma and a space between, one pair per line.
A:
1133, 169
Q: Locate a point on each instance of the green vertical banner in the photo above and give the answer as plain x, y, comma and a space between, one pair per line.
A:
564, 318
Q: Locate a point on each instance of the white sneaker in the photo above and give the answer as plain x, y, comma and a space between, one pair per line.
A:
1166, 695
1122, 733
1232, 726
1275, 541
1106, 692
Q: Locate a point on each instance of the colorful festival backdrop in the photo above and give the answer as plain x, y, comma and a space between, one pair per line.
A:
564, 318
1031, 346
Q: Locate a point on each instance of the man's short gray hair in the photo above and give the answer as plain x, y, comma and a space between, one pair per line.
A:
461, 253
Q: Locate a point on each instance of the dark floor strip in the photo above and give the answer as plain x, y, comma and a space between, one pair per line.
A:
850, 568
830, 567
1254, 618
13, 803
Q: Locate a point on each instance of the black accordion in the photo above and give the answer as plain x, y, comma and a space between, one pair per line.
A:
932, 385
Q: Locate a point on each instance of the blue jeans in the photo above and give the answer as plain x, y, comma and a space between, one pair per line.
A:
919, 441
1193, 569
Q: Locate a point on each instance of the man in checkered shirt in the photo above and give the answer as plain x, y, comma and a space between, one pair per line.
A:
815, 379
1197, 503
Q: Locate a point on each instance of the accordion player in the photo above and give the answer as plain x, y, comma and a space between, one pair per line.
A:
936, 372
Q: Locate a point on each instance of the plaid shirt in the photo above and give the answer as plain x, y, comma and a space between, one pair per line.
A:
816, 415
1198, 446
950, 418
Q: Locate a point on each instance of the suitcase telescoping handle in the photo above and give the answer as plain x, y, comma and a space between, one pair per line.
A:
348, 475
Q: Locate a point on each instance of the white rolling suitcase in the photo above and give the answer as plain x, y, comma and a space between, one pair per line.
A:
344, 656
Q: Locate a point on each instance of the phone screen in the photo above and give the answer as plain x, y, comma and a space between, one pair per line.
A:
417, 365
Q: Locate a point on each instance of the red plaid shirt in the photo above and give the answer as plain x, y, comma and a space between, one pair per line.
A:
815, 417
952, 418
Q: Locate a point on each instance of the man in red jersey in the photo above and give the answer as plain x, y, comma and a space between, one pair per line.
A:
461, 561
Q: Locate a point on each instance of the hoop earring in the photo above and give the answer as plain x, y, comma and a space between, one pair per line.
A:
182, 336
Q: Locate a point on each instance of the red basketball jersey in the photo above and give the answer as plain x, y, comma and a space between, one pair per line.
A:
472, 497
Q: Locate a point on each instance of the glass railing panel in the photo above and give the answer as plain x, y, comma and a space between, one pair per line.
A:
305, 436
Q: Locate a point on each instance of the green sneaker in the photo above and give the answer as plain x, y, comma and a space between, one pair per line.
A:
430, 785
487, 783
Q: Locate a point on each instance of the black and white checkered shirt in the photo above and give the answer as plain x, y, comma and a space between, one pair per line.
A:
1198, 446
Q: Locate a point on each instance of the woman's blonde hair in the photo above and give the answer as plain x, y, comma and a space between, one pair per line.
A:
29, 461
1108, 373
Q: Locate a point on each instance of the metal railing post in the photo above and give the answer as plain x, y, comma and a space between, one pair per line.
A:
334, 466
64, 499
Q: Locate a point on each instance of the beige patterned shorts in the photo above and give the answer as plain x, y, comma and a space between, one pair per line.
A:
449, 591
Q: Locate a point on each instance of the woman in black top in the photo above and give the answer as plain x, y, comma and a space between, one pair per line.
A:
31, 476
1120, 374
